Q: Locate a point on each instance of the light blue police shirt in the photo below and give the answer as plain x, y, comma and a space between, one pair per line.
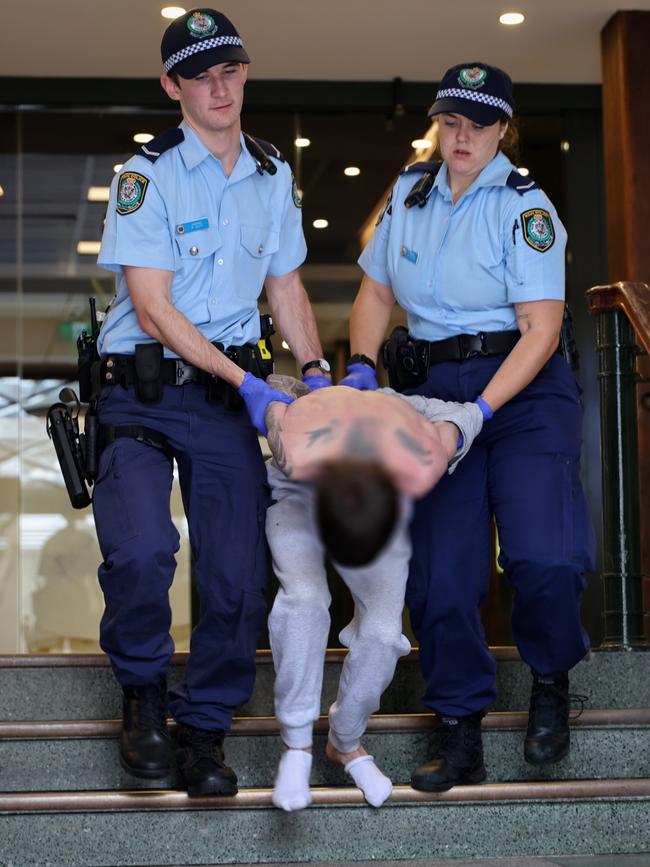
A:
459, 268
220, 236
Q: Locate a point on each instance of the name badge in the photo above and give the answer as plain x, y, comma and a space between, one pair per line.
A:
409, 255
192, 226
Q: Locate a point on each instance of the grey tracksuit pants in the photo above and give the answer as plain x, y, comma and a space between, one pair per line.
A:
299, 621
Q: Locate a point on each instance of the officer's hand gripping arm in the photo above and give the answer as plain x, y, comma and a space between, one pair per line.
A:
258, 396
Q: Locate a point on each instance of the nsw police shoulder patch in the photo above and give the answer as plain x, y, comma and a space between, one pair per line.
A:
131, 190
295, 193
537, 228
387, 209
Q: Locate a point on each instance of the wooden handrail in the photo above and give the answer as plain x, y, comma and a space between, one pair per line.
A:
632, 298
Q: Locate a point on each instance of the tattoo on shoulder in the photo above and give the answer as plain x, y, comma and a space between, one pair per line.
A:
414, 446
361, 441
274, 439
288, 385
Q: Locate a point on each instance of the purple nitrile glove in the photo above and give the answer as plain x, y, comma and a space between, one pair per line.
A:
257, 396
316, 380
485, 407
360, 376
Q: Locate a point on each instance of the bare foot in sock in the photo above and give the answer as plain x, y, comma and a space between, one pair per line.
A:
291, 789
376, 787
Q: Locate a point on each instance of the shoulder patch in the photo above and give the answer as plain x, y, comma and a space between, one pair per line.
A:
432, 168
520, 183
295, 193
131, 190
537, 228
171, 138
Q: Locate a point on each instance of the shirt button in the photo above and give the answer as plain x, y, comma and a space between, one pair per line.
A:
194, 251
219, 261
260, 249
226, 221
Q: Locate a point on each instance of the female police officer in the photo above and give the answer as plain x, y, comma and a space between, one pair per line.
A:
476, 258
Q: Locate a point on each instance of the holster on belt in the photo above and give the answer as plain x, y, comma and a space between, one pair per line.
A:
148, 372
404, 360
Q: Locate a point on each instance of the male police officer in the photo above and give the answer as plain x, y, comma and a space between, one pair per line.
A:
199, 221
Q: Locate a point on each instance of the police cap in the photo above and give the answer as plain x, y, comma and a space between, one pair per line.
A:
480, 92
199, 39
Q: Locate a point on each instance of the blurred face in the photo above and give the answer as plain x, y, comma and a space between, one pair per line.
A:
212, 101
467, 147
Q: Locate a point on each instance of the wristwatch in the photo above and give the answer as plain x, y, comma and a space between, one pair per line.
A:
359, 358
321, 363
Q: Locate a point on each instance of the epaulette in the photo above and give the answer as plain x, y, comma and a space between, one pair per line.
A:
171, 138
421, 190
432, 167
261, 151
518, 182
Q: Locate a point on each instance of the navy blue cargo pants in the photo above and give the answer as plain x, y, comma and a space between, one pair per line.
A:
523, 468
225, 495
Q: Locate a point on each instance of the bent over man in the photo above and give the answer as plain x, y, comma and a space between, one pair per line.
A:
199, 221
346, 465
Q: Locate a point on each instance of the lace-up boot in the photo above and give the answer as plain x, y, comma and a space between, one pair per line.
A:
547, 737
201, 762
144, 743
458, 759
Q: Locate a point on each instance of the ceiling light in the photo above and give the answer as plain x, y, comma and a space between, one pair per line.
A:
302, 142
420, 144
118, 166
99, 194
523, 171
285, 345
511, 18
172, 11
142, 137
565, 146
352, 171
88, 248
2, 192
320, 224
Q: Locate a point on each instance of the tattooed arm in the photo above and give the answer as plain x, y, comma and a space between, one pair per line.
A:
274, 418
288, 384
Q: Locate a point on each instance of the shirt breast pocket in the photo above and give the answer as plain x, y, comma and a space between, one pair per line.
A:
258, 243
197, 246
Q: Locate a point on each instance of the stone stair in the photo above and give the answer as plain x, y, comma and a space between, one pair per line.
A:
64, 799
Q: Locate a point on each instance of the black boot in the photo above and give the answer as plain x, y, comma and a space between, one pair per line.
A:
201, 762
458, 759
547, 737
144, 744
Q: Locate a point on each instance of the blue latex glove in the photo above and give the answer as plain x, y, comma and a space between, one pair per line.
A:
360, 376
485, 407
316, 380
257, 396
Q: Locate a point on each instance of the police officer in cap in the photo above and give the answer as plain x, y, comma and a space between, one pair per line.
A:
474, 253
199, 221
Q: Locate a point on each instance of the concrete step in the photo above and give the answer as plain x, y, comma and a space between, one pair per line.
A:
80, 755
165, 828
82, 686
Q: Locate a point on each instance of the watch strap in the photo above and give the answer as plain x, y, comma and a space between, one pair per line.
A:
359, 358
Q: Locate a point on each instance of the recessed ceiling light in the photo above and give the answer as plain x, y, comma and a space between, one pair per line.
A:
565, 146
302, 142
420, 144
320, 224
352, 171
2, 192
523, 171
512, 18
88, 248
99, 194
172, 11
117, 167
142, 137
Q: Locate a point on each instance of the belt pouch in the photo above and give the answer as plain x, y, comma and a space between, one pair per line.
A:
148, 372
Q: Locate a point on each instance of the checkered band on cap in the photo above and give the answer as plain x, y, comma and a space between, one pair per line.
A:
203, 45
475, 96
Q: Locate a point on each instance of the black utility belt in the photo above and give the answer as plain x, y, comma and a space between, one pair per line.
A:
464, 346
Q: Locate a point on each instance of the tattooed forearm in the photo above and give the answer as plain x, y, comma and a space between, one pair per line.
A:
274, 439
414, 446
324, 433
288, 384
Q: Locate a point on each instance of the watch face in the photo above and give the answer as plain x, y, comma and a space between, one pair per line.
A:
324, 365
316, 364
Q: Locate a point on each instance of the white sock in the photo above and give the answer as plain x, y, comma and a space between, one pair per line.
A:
291, 789
376, 787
